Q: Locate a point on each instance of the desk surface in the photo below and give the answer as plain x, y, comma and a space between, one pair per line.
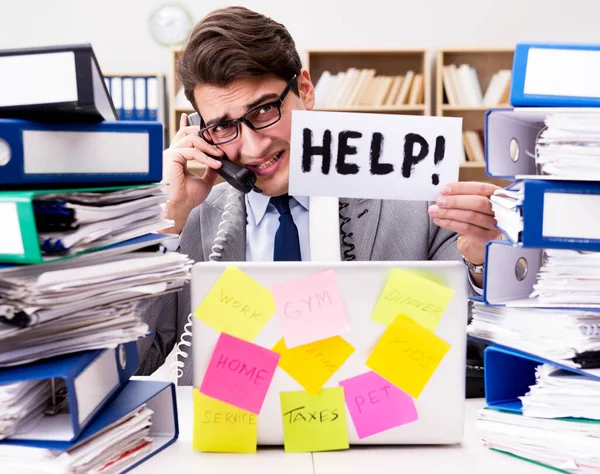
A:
469, 457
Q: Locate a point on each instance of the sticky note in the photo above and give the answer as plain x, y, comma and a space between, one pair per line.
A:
237, 305
239, 373
376, 405
407, 355
314, 422
413, 295
311, 365
310, 308
222, 428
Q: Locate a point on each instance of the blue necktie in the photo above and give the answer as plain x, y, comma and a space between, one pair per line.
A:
287, 242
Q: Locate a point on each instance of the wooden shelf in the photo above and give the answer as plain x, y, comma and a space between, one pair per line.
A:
473, 164
472, 108
375, 109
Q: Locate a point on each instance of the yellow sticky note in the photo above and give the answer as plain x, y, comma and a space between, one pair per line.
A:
222, 428
314, 422
311, 365
237, 305
407, 355
408, 293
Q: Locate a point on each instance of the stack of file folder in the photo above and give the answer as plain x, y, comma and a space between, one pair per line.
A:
82, 208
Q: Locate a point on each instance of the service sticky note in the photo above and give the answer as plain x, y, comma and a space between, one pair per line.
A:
311, 365
310, 308
407, 355
376, 405
239, 373
222, 428
409, 293
237, 305
314, 422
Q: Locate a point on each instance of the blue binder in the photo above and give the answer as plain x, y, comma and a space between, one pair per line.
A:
92, 379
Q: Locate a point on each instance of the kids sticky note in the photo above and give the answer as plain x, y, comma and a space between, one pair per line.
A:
418, 297
310, 308
237, 305
314, 422
222, 428
239, 373
311, 365
407, 355
376, 405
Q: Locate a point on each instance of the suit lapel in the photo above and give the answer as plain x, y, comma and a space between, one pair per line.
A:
359, 219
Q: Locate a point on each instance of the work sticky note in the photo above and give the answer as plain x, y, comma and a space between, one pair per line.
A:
376, 405
310, 308
239, 373
237, 305
311, 365
222, 428
407, 355
418, 297
314, 422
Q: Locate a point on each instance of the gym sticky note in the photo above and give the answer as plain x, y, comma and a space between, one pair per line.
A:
314, 422
222, 428
376, 405
408, 293
311, 365
310, 308
237, 305
239, 373
407, 355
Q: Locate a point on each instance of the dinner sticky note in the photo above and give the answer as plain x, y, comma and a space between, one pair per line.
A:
310, 308
418, 297
237, 305
239, 373
311, 365
407, 355
314, 422
376, 405
222, 428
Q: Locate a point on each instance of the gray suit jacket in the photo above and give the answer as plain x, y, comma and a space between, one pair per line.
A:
370, 230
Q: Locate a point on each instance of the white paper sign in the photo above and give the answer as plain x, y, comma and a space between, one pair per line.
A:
374, 156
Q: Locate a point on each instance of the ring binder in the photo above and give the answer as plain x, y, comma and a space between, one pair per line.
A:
59, 399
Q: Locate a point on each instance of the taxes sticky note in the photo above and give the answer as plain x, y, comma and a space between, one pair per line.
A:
314, 422
237, 305
310, 308
376, 405
407, 355
418, 297
311, 365
222, 428
239, 373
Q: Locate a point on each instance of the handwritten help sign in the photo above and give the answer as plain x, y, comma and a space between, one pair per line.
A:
379, 156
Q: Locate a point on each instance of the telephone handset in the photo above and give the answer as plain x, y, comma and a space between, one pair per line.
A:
239, 177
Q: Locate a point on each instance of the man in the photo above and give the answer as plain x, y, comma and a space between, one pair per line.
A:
241, 72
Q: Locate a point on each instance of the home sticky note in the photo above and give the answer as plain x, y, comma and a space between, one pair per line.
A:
311, 365
237, 305
222, 428
408, 293
314, 422
239, 373
376, 405
407, 355
310, 308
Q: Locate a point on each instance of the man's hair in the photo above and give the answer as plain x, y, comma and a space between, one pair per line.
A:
232, 43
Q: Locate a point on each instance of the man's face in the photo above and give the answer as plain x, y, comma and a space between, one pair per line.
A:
266, 152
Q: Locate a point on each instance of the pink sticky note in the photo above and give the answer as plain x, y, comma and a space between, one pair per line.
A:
239, 373
310, 308
376, 405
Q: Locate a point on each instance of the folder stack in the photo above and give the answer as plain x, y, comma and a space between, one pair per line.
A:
540, 309
81, 205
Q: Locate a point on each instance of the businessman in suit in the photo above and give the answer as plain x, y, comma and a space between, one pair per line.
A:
242, 73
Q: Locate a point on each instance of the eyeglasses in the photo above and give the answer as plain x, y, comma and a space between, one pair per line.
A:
259, 117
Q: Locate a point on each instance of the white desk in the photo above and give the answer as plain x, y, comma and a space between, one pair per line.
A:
469, 457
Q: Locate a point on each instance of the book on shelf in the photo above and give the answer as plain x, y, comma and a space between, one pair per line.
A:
462, 87
473, 143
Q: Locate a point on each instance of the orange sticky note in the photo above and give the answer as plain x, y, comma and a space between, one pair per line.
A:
407, 355
311, 365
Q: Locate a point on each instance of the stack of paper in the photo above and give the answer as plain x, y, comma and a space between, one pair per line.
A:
21, 404
506, 204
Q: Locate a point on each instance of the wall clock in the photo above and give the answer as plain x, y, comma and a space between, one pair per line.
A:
170, 24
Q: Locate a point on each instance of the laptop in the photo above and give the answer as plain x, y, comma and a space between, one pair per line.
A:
440, 405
